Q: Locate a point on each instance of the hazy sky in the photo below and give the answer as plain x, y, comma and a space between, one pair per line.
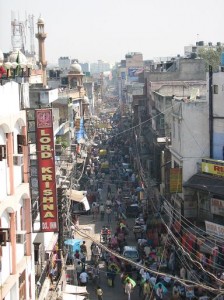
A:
108, 29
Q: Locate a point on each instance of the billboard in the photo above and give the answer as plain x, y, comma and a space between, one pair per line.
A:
213, 167
46, 170
214, 229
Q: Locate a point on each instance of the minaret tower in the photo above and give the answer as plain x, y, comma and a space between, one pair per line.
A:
41, 36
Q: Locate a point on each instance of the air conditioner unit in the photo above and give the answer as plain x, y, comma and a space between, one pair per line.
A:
21, 237
18, 160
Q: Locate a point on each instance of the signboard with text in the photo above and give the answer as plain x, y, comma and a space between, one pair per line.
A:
46, 171
213, 167
217, 206
175, 180
214, 229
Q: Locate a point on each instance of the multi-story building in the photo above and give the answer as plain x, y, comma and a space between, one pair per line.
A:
17, 279
205, 185
99, 67
85, 67
193, 50
64, 62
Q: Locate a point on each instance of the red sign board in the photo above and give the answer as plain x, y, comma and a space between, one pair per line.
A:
46, 171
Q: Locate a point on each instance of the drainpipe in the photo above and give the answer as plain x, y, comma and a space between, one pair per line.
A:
210, 87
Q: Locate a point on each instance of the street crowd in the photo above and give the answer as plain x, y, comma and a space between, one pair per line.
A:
113, 171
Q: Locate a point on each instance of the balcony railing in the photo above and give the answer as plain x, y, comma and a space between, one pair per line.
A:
41, 279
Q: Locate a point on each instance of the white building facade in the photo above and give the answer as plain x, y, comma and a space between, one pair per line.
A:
17, 266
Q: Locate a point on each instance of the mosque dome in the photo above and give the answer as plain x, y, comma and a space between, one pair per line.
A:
76, 68
40, 21
1, 56
17, 55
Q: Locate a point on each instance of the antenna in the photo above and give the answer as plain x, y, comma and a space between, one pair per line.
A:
31, 27
18, 37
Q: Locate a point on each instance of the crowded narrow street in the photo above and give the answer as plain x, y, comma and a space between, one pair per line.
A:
108, 190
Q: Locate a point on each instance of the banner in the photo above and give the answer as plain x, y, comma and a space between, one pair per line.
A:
175, 180
46, 171
213, 167
214, 229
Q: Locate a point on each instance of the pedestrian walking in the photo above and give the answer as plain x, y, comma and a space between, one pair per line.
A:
102, 211
52, 275
147, 290
159, 292
95, 210
111, 274
83, 248
128, 289
109, 213
83, 277
78, 270
99, 293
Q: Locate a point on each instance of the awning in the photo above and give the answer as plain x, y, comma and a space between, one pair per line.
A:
72, 297
74, 289
79, 196
207, 183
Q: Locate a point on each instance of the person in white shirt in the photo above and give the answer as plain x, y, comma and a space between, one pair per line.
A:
83, 277
128, 289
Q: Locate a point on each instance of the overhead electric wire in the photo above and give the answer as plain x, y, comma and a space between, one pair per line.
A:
175, 278
168, 229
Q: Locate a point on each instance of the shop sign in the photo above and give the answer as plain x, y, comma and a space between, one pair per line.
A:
213, 167
217, 206
176, 180
214, 229
46, 171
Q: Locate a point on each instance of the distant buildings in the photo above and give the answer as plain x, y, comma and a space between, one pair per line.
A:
64, 62
193, 50
99, 67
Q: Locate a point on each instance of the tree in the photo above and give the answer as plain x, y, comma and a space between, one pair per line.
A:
212, 57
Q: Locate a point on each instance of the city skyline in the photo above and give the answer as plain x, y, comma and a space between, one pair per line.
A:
107, 30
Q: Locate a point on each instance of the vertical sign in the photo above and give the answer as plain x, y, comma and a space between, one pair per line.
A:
175, 180
46, 170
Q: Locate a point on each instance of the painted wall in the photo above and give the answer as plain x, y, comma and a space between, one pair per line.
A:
190, 134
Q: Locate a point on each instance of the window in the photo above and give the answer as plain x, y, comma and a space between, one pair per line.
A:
162, 122
21, 141
2, 152
215, 89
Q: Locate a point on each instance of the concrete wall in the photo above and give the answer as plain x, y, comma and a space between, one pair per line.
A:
187, 70
218, 111
190, 134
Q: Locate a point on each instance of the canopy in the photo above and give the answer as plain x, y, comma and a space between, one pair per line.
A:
72, 297
79, 196
73, 243
204, 182
74, 289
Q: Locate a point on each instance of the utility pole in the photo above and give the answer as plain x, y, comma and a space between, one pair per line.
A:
60, 193
210, 87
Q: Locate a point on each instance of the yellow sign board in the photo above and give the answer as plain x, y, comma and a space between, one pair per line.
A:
175, 180
213, 167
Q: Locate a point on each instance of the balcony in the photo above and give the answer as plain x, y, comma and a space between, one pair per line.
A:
64, 126
68, 93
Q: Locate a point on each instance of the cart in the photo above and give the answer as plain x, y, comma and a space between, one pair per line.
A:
105, 235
